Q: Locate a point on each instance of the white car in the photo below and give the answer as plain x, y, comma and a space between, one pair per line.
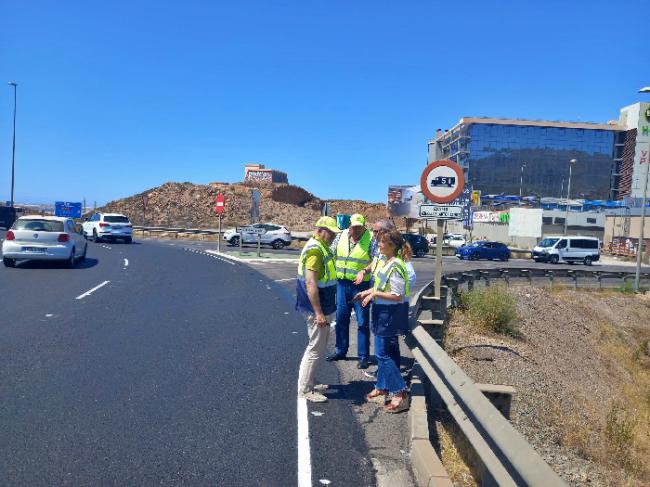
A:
275, 235
455, 240
108, 226
38, 237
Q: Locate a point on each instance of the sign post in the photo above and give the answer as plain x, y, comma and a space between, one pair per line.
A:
259, 231
219, 206
441, 182
145, 201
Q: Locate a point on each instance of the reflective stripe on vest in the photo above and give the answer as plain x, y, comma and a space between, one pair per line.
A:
329, 276
378, 262
350, 259
383, 276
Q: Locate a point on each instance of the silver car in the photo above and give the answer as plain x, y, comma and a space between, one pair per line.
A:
44, 238
276, 236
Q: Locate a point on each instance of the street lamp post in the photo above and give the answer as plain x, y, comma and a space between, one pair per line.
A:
568, 193
13, 152
639, 250
521, 181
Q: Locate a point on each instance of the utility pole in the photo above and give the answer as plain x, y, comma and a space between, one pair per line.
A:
13, 152
568, 193
521, 181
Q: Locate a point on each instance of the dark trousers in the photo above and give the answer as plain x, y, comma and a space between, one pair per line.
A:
345, 291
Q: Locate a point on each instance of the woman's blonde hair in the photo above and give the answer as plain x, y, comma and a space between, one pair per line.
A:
402, 248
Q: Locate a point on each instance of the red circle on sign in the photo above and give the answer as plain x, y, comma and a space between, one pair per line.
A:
442, 199
220, 204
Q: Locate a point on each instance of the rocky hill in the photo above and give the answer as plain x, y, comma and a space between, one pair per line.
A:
192, 206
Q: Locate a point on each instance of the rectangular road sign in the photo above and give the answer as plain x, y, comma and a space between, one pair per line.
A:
67, 209
441, 212
255, 230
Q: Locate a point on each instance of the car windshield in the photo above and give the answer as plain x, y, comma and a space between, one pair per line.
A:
39, 225
116, 219
476, 244
548, 242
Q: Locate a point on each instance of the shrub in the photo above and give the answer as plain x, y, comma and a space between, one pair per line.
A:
619, 431
491, 308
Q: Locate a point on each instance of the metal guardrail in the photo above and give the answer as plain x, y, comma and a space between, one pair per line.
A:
508, 459
205, 231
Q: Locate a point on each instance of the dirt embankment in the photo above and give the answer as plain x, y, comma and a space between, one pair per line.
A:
192, 206
582, 373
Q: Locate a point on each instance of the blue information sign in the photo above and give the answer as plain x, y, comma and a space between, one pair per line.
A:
67, 209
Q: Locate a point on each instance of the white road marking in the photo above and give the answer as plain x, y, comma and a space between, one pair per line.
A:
304, 449
294, 332
317, 413
49, 315
287, 279
268, 287
88, 293
325, 481
126, 262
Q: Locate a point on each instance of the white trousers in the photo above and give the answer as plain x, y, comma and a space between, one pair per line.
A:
315, 351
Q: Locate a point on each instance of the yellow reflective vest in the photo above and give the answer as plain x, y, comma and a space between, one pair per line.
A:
382, 276
352, 258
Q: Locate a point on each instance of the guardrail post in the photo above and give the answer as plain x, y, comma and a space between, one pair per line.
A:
486, 277
506, 276
527, 274
452, 284
574, 276
470, 281
551, 277
600, 281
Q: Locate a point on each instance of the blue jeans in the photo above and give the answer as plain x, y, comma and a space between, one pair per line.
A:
345, 291
388, 375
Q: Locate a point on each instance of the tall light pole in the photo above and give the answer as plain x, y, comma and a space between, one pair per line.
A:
13, 152
521, 180
639, 250
568, 193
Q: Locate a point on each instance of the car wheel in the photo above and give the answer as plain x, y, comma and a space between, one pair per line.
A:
505, 258
71, 260
474, 256
83, 256
9, 262
96, 237
278, 244
588, 260
554, 259
128, 240
234, 241
420, 253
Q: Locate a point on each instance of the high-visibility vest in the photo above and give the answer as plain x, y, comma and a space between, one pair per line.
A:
352, 258
383, 276
326, 283
378, 262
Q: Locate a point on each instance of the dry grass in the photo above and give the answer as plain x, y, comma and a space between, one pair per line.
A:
457, 455
491, 309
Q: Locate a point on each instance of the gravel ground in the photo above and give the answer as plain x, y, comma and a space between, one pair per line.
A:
565, 379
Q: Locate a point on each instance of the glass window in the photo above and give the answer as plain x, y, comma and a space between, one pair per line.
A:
38, 225
116, 219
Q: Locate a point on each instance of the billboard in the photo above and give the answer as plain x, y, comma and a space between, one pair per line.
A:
67, 209
525, 222
404, 201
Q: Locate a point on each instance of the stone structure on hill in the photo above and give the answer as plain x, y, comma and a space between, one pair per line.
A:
257, 173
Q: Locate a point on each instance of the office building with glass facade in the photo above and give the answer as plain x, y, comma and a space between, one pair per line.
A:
493, 151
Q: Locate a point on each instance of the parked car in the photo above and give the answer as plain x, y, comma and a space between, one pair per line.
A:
568, 249
276, 236
484, 250
455, 240
108, 226
418, 243
44, 238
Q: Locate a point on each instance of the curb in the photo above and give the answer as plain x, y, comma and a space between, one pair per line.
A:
427, 466
225, 255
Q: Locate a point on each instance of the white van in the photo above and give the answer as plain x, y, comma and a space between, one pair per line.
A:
568, 249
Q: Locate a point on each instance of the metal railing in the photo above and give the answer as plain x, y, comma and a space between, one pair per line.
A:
204, 231
508, 459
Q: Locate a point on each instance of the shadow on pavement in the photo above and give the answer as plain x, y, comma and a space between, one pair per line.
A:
53, 264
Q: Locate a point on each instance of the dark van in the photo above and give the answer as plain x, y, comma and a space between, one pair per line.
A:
7, 216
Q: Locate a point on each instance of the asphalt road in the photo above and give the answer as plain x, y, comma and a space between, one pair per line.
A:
180, 370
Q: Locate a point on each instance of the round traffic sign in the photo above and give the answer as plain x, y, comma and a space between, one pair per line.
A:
442, 181
220, 204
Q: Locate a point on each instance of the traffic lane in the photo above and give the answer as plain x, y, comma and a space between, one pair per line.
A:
224, 247
34, 289
185, 374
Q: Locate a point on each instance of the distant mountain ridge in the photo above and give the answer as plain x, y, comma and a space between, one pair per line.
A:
191, 205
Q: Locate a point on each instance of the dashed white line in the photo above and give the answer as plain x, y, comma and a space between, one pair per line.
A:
126, 262
88, 293
287, 279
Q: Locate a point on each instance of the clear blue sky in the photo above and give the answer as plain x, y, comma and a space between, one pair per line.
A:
117, 97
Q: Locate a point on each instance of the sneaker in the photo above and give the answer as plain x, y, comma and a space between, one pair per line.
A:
313, 396
321, 387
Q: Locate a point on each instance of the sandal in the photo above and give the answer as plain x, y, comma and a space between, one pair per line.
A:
378, 396
402, 405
